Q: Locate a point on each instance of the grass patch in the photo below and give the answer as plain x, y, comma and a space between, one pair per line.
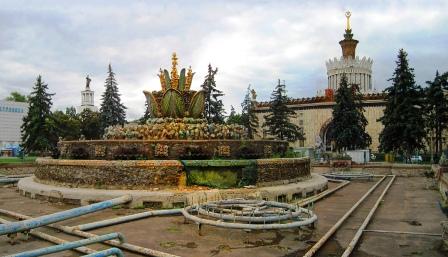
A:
7, 160
173, 229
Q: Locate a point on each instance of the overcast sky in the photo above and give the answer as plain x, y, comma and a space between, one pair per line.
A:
251, 42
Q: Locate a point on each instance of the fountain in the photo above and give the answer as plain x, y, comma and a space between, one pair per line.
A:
175, 159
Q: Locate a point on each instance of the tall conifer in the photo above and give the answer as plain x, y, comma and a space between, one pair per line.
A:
214, 108
234, 118
436, 110
248, 117
278, 121
113, 112
403, 120
349, 123
37, 133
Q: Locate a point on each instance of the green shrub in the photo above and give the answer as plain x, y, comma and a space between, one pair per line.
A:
443, 160
249, 175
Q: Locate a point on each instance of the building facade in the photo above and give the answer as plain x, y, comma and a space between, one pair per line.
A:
314, 115
87, 98
11, 118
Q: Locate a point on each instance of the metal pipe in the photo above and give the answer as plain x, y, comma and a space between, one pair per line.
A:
69, 230
319, 196
333, 229
218, 223
9, 180
18, 176
402, 232
352, 244
53, 239
123, 219
108, 252
60, 216
68, 245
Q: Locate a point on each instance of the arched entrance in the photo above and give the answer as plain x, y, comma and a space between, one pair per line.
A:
327, 133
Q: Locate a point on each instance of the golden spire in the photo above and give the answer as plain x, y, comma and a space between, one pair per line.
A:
189, 78
162, 80
174, 74
348, 14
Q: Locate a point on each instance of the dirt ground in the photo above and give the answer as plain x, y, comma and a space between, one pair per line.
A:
410, 205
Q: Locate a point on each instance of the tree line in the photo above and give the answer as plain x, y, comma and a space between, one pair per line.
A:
42, 129
414, 117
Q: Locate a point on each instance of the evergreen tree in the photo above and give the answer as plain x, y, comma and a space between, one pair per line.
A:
71, 111
234, 118
146, 115
36, 132
248, 117
403, 121
214, 108
278, 120
349, 123
16, 97
90, 124
436, 110
112, 110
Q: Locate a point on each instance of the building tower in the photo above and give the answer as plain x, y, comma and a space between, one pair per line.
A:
358, 71
87, 98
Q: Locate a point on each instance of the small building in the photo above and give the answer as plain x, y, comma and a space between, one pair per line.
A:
11, 119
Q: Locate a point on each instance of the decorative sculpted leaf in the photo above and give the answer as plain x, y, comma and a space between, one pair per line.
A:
197, 104
167, 79
173, 104
182, 80
153, 106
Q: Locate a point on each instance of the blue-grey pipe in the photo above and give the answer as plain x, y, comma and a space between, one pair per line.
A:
108, 252
123, 219
24, 225
69, 245
9, 180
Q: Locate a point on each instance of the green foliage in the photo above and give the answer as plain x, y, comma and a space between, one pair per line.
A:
112, 110
249, 175
290, 153
146, 115
436, 110
197, 105
234, 118
217, 178
65, 125
8, 160
37, 135
278, 120
248, 117
214, 108
172, 104
90, 124
17, 97
403, 120
443, 160
349, 123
